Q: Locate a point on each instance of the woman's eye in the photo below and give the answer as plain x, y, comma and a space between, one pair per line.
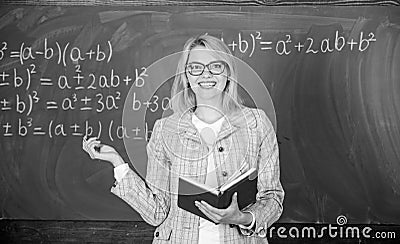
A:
217, 66
197, 67
194, 66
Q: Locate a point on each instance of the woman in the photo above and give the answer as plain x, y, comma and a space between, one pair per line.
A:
209, 137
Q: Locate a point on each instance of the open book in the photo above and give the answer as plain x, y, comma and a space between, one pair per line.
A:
245, 184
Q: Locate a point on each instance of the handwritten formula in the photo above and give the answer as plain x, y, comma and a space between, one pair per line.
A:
286, 45
101, 92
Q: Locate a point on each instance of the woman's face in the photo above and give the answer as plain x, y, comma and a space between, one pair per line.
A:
207, 74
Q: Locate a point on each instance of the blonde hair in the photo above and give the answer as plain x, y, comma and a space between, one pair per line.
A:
183, 98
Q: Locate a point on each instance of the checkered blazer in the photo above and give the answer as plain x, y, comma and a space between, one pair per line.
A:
175, 148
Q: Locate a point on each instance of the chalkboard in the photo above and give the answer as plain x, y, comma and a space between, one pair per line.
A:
332, 73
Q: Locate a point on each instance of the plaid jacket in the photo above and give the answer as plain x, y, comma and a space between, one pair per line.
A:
175, 148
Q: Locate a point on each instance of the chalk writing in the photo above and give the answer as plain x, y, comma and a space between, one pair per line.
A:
62, 53
287, 44
102, 92
52, 128
78, 91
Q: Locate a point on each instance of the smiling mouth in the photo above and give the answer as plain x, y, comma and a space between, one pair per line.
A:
207, 84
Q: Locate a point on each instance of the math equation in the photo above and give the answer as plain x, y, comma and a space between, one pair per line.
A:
27, 92
287, 45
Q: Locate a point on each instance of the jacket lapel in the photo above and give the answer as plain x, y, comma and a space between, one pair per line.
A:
239, 119
187, 129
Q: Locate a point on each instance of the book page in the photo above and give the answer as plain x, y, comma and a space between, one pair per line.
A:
213, 190
232, 182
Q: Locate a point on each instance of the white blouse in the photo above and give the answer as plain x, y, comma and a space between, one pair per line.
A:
208, 231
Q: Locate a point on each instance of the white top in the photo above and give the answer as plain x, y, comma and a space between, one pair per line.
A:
208, 231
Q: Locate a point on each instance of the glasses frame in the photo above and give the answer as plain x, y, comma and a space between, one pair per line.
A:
208, 67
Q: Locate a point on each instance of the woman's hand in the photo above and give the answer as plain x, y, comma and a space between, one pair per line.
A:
230, 215
96, 150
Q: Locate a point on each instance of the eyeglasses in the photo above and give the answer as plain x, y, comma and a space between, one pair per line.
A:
197, 68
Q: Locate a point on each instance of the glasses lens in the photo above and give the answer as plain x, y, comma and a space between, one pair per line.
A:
216, 68
195, 68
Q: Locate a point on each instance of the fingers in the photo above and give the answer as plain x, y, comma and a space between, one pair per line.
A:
234, 202
89, 146
206, 212
220, 215
106, 148
212, 212
91, 140
85, 141
211, 209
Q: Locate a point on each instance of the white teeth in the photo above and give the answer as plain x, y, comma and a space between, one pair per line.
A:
207, 84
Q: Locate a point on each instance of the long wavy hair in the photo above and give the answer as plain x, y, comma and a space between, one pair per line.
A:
182, 96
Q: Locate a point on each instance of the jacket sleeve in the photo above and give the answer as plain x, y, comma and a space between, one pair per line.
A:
151, 197
269, 200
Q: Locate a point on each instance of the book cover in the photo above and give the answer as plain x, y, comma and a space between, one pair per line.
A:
190, 191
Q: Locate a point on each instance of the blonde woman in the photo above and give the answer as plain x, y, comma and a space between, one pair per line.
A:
209, 137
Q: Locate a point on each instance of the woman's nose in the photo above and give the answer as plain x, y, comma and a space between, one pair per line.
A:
206, 72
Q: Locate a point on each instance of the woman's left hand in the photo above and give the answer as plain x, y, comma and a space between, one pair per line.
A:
230, 215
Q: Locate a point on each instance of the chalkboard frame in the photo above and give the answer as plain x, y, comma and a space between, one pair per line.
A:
205, 3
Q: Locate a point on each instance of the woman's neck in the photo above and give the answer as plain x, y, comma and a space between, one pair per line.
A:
209, 114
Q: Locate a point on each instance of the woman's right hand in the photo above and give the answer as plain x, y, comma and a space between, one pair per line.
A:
97, 150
